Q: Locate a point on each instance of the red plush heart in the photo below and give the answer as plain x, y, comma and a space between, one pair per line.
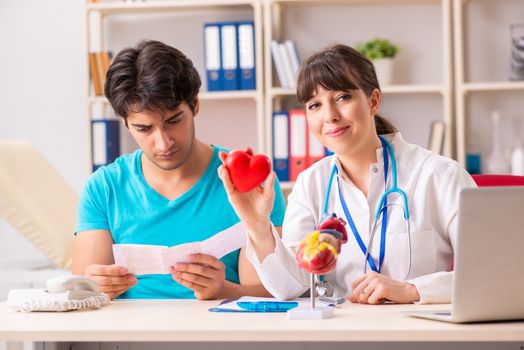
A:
246, 170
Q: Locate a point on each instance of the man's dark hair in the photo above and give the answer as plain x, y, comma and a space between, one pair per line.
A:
151, 76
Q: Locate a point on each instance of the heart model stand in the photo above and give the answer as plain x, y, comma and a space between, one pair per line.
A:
332, 225
311, 311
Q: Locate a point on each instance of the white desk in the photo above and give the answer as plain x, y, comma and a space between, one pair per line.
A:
189, 320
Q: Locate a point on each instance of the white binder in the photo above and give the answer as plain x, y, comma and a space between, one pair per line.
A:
279, 64
293, 57
228, 35
288, 69
246, 55
212, 56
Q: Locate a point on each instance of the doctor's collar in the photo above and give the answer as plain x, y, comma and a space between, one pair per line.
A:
395, 139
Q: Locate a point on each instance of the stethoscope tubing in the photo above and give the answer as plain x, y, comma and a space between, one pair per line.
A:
383, 205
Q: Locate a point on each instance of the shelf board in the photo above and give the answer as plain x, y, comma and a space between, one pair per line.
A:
412, 89
203, 96
97, 99
493, 86
158, 6
388, 89
229, 95
353, 2
282, 92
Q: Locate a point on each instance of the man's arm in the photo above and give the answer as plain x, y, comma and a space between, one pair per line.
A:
250, 283
92, 247
93, 258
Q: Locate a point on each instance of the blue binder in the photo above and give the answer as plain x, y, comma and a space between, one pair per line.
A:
229, 55
246, 55
105, 145
281, 145
213, 56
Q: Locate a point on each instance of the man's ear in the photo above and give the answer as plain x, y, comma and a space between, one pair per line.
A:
197, 105
374, 100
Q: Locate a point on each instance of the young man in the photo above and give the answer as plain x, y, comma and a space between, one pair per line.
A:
166, 193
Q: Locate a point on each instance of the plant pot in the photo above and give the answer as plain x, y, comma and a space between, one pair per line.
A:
384, 69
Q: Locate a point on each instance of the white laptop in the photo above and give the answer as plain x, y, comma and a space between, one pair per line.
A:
488, 282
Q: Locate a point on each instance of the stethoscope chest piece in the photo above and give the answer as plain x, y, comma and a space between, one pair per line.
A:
325, 289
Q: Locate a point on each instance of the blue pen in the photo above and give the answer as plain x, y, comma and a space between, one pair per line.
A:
267, 306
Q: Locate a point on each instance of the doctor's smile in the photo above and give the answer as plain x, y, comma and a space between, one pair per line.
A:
337, 131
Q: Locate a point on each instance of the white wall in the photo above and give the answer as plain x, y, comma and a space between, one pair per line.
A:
42, 84
42, 93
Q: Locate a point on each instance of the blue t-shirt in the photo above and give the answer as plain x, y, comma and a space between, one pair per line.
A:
118, 198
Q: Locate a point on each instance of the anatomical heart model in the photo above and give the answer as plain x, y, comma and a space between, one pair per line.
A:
317, 254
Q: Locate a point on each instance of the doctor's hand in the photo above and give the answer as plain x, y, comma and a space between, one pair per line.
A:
253, 207
112, 279
204, 274
374, 288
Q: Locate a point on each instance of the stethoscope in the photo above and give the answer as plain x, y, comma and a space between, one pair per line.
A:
325, 286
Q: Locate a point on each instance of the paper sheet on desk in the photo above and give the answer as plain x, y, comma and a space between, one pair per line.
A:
141, 259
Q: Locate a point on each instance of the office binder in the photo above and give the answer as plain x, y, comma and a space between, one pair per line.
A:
315, 150
105, 142
281, 145
288, 70
293, 57
279, 64
229, 42
212, 56
297, 142
246, 55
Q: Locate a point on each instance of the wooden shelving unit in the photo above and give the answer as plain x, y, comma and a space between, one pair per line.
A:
104, 10
274, 15
451, 87
463, 86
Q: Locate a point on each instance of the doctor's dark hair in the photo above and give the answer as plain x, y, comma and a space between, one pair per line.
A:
151, 76
340, 68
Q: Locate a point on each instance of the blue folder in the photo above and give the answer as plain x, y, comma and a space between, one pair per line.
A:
281, 145
246, 54
229, 55
213, 57
105, 142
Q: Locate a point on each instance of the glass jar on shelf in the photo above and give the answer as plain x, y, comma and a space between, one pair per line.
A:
496, 162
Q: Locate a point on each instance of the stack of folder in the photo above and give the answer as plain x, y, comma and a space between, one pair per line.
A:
230, 56
294, 147
99, 63
105, 137
286, 61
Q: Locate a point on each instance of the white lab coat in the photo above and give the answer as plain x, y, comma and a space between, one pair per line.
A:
432, 184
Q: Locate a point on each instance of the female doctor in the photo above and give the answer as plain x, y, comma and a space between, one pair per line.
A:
400, 200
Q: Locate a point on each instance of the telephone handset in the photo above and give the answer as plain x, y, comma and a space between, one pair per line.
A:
63, 284
62, 293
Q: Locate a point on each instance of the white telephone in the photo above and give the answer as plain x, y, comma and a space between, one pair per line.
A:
62, 293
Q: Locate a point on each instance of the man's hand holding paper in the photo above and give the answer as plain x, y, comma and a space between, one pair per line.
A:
195, 265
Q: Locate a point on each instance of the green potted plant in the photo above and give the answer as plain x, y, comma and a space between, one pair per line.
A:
381, 52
